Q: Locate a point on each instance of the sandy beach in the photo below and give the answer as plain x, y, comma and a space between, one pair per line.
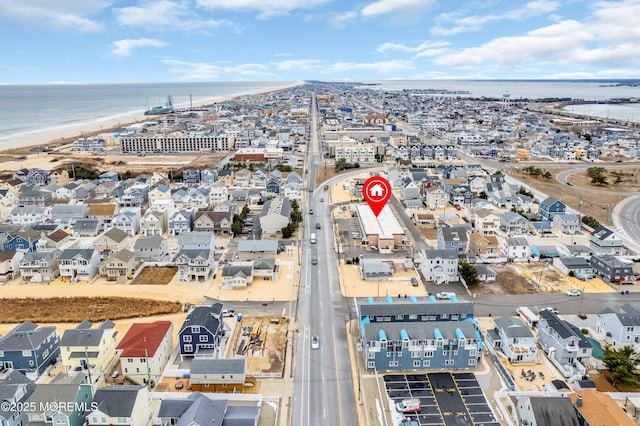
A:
68, 133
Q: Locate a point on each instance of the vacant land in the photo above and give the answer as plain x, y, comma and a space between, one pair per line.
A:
262, 342
152, 275
77, 309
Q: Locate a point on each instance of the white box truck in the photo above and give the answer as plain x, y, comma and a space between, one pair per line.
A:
313, 238
528, 316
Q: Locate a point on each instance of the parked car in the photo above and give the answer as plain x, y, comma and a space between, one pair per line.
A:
310, 211
322, 200
574, 293
314, 260
318, 226
549, 308
445, 295
315, 342
414, 282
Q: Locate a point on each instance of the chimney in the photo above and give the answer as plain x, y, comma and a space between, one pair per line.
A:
579, 400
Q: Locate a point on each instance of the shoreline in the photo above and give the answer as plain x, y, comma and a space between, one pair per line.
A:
29, 142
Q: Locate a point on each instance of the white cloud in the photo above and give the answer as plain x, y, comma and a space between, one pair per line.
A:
194, 71
554, 43
342, 19
265, 8
382, 67
300, 65
124, 47
382, 7
451, 24
164, 15
390, 46
63, 14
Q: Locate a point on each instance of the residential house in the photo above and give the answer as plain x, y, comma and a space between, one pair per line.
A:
128, 221
10, 264
196, 256
34, 198
118, 266
109, 176
135, 195
513, 224
275, 215
102, 212
201, 333
79, 264
226, 177
29, 215
564, 343
15, 389
208, 176
604, 241
416, 335
273, 185
435, 197
237, 274
292, 191
75, 391
68, 214
191, 177
485, 248
550, 206
198, 409
181, 221
485, 273
439, 266
599, 408
59, 177
29, 348
411, 191
87, 347
514, 338
538, 410
213, 221
242, 178
566, 223
453, 238
38, 267
85, 190
112, 241
16, 241
218, 193
578, 267
150, 249
259, 179
120, 404
218, 375
622, 328
239, 195
153, 222
612, 269
374, 269
145, 350
86, 228
66, 192
180, 198
159, 192
199, 198
486, 222
54, 241
256, 249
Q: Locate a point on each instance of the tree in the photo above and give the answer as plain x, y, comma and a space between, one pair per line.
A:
593, 172
622, 364
341, 164
599, 180
287, 231
547, 175
590, 221
468, 273
237, 226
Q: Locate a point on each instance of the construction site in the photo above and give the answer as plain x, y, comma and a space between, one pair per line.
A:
263, 341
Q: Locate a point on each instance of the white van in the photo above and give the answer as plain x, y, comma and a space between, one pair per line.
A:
408, 406
313, 238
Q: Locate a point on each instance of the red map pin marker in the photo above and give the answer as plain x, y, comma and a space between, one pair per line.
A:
376, 191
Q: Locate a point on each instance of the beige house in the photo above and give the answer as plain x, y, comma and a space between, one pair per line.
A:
112, 241
484, 246
88, 347
160, 192
237, 274
435, 197
119, 266
102, 212
60, 178
486, 222
154, 222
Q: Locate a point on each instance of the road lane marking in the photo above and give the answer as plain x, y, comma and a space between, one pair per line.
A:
335, 355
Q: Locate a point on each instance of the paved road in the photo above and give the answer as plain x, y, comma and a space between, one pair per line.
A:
626, 216
323, 387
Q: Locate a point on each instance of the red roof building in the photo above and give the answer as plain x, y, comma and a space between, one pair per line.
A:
145, 350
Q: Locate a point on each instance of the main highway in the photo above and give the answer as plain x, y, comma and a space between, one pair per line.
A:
323, 385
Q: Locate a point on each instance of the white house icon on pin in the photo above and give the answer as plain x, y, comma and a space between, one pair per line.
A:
376, 190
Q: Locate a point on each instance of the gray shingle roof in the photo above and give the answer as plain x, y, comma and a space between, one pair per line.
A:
204, 316
117, 400
513, 327
25, 336
402, 307
218, 366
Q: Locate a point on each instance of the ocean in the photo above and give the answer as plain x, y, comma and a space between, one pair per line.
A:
35, 114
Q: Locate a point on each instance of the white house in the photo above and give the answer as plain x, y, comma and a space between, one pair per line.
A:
516, 249
86, 346
622, 327
120, 405
145, 350
439, 266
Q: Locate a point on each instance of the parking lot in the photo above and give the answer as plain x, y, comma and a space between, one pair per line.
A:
445, 398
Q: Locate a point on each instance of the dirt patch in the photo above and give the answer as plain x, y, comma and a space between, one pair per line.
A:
604, 380
588, 203
156, 275
77, 309
429, 232
522, 279
264, 345
326, 173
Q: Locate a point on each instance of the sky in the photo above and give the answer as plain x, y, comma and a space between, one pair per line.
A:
131, 41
